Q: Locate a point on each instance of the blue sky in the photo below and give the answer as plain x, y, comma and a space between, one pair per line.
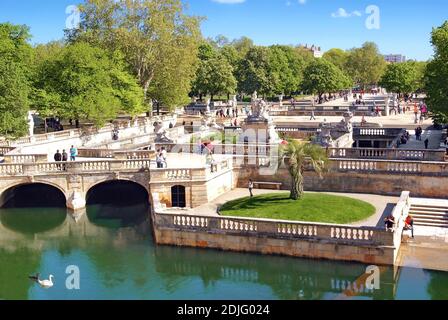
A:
404, 27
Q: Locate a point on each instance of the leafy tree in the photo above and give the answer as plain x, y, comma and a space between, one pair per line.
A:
321, 76
253, 72
243, 45
15, 58
86, 82
402, 78
338, 57
306, 55
365, 65
436, 85
215, 76
286, 69
159, 41
297, 155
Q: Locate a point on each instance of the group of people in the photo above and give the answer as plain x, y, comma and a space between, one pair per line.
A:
64, 156
389, 223
227, 113
161, 158
53, 123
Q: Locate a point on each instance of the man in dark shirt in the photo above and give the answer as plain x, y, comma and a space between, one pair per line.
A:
58, 158
64, 159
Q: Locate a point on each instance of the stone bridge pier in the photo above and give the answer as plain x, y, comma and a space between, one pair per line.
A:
74, 186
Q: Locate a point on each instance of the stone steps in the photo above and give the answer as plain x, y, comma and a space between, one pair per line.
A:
430, 215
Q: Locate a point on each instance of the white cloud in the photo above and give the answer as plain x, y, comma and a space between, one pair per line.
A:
302, 1
229, 1
342, 13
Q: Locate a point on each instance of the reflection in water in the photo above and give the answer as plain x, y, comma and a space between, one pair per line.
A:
119, 262
31, 221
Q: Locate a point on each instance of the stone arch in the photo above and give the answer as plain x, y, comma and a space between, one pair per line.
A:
18, 184
122, 179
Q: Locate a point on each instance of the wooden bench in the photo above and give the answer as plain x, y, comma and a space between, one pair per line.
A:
270, 185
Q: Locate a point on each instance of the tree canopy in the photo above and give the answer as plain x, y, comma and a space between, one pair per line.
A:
159, 42
436, 85
365, 65
402, 77
321, 76
15, 59
81, 81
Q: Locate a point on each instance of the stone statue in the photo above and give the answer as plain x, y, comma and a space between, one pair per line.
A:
346, 124
208, 111
280, 99
30, 124
259, 111
255, 96
324, 137
161, 133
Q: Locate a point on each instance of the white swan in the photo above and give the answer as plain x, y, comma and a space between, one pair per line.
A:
46, 284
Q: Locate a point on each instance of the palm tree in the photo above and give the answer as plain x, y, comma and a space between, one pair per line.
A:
297, 155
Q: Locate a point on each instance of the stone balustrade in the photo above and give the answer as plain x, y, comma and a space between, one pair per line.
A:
275, 229
5, 150
73, 167
390, 154
25, 158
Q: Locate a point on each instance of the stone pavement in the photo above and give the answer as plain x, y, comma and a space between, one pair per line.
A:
428, 250
434, 137
383, 204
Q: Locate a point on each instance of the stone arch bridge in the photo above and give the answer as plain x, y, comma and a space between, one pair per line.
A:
75, 179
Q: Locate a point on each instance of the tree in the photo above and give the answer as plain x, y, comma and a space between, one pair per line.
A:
401, 78
297, 155
338, 57
215, 76
86, 82
285, 69
15, 58
159, 41
365, 65
253, 72
321, 76
243, 45
436, 85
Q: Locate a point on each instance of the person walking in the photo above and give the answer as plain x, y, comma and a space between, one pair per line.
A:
159, 160
312, 116
251, 187
58, 158
73, 153
409, 224
426, 143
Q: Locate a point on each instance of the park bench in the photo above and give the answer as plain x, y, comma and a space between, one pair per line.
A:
270, 185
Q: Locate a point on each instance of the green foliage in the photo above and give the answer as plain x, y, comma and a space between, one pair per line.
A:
402, 77
159, 41
86, 82
15, 58
297, 155
321, 76
436, 84
214, 76
338, 57
365, 65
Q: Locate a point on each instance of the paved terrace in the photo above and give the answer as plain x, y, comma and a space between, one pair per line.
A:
384, 205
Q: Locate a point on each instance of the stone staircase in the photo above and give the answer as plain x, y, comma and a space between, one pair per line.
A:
430, 213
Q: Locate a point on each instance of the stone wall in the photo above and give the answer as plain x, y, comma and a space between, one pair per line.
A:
429, 185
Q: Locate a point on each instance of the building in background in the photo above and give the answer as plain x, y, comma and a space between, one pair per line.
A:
315, 50
395, 58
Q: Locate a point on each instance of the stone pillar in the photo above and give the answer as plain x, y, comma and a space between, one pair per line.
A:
76, 201
387, 106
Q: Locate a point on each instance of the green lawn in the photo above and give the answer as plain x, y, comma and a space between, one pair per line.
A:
314, 207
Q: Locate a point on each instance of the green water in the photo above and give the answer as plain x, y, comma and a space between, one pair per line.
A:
118, 260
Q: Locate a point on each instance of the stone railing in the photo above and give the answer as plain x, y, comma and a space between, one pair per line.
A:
73, 167
389, 166
386, 154
25, 158
5, 150
275, 229
400, 213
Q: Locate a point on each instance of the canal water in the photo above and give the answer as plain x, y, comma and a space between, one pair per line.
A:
113, 248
